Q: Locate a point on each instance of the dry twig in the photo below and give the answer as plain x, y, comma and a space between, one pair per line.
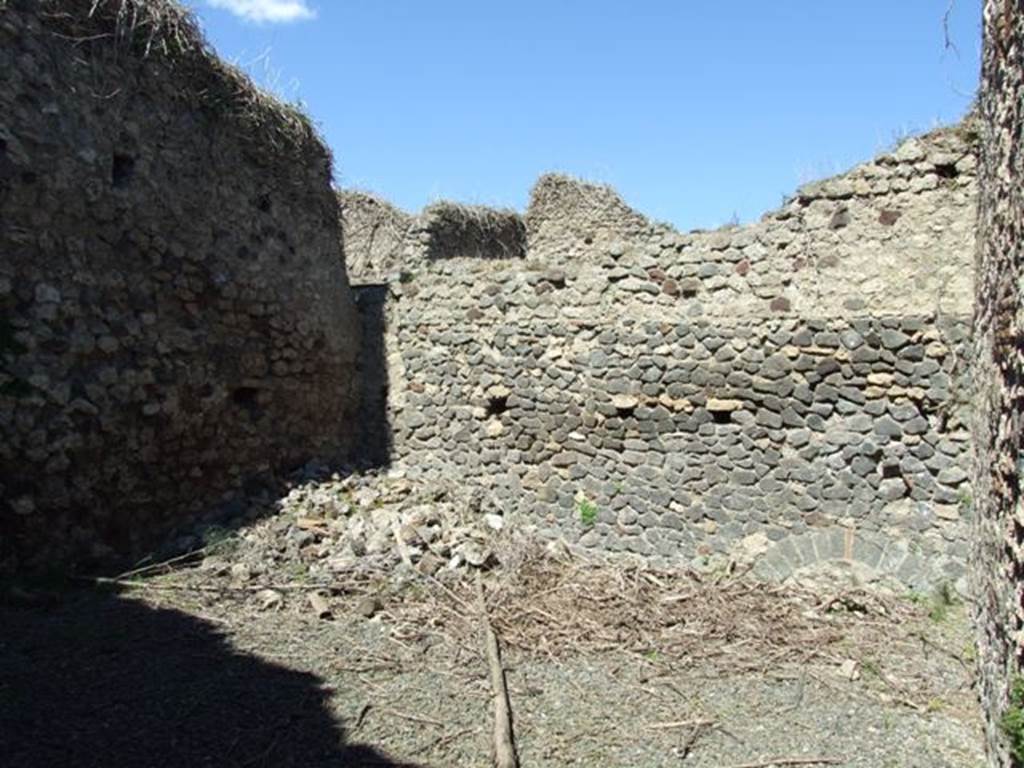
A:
680, 724
782, 761
503, 738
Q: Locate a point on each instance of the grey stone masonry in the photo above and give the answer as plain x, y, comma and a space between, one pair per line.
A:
793, 391
687, 450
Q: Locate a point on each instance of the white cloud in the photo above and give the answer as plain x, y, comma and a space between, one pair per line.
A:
267, 10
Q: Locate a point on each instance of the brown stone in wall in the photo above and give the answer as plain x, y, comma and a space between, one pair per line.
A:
174, 312
888, 217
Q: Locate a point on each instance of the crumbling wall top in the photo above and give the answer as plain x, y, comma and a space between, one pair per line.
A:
376, 235
568, 217
472, 231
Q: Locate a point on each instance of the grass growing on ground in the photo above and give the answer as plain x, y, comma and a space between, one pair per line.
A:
939, 603
218, 540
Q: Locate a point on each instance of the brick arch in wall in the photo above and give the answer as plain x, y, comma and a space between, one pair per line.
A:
873, 556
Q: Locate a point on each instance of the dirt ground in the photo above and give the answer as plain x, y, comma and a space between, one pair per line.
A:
608, 663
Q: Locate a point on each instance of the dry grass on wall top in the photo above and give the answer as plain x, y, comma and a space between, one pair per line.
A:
587, 197
365, 214
465, 217
495, 232
165, 31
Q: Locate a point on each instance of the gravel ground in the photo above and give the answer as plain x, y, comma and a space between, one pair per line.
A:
342, 627
622, 709
169, 673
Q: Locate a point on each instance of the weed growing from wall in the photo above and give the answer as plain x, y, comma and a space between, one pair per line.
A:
587, 511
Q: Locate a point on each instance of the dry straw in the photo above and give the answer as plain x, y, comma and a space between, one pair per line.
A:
164, 31
495, 231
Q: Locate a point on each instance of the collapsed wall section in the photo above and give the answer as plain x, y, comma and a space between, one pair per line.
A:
893, 235
174, 311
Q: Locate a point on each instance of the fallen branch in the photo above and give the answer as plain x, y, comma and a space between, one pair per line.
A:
503, 739
691, 741
681, 724
413, 718
162, 564
142, 584
780, 761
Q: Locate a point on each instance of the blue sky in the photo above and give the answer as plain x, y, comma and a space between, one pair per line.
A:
695, 111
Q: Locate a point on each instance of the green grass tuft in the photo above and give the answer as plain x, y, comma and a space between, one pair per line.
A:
587, 511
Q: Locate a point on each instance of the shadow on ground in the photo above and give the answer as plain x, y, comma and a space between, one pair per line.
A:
95, 679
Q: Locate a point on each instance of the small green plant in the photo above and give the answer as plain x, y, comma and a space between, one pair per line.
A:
964, 500
298, 572
969, 653
939, 603
917, 598
943, 600
218, 540
935, 705
1012, 721
587, 511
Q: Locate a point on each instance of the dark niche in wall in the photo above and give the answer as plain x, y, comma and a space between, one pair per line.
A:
248, 399
497, 405
374, 442
721, 417
122, 170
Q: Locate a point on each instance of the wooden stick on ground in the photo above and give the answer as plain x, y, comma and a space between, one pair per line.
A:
681, 724
503, 739
780, 761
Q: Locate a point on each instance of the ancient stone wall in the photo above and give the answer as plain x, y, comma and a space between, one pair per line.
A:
788, 393
893, 235
997, 537
174, 312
